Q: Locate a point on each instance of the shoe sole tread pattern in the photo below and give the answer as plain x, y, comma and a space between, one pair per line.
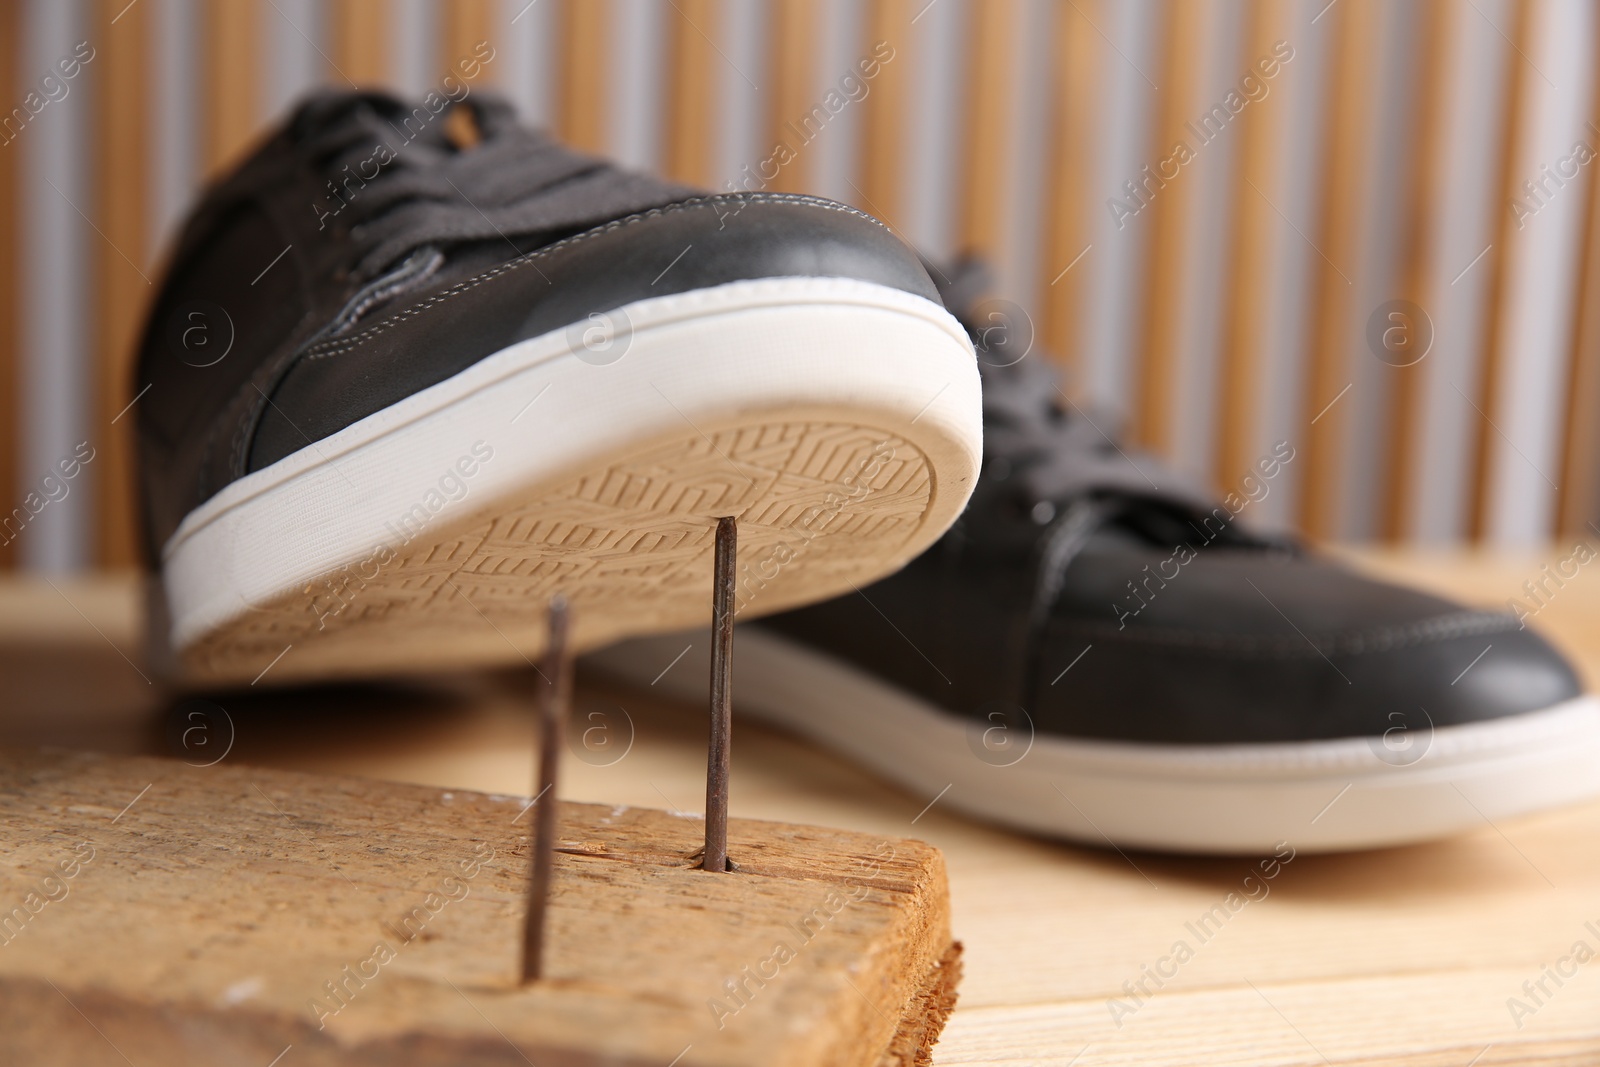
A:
844, 482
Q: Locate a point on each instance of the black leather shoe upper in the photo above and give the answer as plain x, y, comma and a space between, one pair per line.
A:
1090, 588
361, 255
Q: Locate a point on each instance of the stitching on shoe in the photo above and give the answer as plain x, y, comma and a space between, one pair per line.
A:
334, 348
1293, 646
278, 369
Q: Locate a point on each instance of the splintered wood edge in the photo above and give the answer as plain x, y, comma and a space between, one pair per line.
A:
208, 911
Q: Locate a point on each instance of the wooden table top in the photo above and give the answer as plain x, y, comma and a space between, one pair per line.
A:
1469, 951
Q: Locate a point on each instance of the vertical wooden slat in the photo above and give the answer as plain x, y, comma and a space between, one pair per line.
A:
121, 115
1168, 219
465, 24
360, 37
1242, 356
1069, 203
989, 105
1345, 159
581, 84
881, 183
231, 38
1436, 31
691, 91
1578, 501
793, 30
1499, 282
10, 223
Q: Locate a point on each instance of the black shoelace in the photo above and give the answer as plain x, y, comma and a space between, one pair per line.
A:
409, 186
1064, 472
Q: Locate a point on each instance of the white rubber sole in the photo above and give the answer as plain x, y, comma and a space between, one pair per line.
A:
839, 421
1317, 796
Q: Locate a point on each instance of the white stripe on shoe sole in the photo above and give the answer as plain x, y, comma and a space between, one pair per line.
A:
1318, 796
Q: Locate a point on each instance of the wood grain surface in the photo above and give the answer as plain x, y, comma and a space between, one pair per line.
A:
232, 915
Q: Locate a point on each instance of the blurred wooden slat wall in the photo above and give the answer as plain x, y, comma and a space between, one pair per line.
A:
881, 184
360, 40
10, 225
1494, 355
690, 118
581, 89
796, 69
1069, 204
232, 65
1578, 511
1243, 353
122, 284
1416, 266
1171, 210
1329, 342
792, 57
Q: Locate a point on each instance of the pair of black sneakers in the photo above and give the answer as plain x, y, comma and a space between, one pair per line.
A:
408, 378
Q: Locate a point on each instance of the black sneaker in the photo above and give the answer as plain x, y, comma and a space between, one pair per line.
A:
402, 384
1099, 651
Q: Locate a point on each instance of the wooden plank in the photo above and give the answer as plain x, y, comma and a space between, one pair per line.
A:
581, 83
1578, 501
985, 159
885, 112
1171, 212
231, 31
1069, 202
1437, 29
691, 97
10, 280
1345, 154
122, 286
1487, 398
792, 32
1242, 352
359, 30
227, 915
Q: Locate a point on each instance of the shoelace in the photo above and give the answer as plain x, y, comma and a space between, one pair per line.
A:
1067, 473
514, 182
403, 186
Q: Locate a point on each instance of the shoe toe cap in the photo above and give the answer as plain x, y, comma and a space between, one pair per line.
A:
1364, 657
